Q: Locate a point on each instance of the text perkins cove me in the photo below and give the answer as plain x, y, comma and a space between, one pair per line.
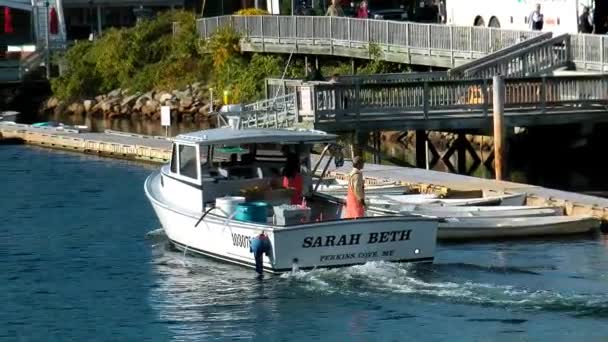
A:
355, 239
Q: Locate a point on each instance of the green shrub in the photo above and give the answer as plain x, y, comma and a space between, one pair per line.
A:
140, 58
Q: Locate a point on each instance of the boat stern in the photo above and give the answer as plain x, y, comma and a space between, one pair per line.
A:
351, 242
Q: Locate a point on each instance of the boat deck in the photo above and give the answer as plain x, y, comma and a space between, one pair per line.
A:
158, 150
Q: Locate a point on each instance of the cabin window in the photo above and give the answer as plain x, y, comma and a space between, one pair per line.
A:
204, 155
174, 160
187, 161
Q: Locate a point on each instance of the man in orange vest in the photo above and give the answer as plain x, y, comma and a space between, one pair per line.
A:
355, 197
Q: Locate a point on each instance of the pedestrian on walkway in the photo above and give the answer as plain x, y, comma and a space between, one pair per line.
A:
335, 10
363, 11
536, 19
584, 21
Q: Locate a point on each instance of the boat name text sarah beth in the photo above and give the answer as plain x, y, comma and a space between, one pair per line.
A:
355, 239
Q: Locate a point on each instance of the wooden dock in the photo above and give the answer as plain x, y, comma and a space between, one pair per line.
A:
110, 143
158, 150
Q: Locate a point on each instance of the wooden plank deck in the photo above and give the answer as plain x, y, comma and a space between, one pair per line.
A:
158, 150
112, 144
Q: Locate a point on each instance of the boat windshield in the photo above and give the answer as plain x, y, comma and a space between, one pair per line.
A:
252, 160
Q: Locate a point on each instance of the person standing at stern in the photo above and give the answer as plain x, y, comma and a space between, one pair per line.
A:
355, 197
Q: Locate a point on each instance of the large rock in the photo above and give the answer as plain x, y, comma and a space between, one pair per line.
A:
151, 107
76, 108
100, 98
52, 103
148, 96
164, 97
88, 105
204, 109
125, 109
186, 102
115, 93
106, 105
129, 100
139, 103
182, 94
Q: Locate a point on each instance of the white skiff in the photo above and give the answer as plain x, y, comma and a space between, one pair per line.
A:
493, 228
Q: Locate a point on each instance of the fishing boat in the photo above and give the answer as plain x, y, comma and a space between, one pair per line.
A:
514, 227
213, 199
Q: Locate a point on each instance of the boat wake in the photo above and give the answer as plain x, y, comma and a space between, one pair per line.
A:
389, 278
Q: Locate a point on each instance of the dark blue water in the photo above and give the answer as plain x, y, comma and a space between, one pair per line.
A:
77, 264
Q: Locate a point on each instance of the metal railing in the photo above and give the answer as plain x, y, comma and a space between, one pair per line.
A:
423, 100
532, 60
279, 87
590, 51
339, 33
336, 34
459, 70
279, 112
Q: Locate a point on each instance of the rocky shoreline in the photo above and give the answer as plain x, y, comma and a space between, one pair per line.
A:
188, 105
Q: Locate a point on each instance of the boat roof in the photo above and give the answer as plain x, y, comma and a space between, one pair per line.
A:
255, 136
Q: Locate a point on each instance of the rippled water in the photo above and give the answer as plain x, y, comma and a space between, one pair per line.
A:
81, 259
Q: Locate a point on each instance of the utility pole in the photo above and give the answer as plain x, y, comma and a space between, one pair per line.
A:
47, 41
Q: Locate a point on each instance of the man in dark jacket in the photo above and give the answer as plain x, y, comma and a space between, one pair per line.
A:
584, 22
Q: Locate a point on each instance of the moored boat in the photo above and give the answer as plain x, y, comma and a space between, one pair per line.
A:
9, 116
484, 211
199, 201
514, 227
404, 202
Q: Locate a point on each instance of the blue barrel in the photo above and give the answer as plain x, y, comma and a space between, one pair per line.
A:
252, 212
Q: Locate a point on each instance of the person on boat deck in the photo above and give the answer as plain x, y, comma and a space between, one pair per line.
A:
355, 197
292, 179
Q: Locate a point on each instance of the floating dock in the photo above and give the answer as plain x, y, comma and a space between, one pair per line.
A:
158, 150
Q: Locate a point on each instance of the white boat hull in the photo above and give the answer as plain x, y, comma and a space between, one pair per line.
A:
489, 228
318, 244
489, 211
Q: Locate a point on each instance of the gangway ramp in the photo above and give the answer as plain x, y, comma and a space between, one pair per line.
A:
533, 57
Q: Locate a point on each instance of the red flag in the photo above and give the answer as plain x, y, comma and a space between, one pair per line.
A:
53, 22
8, 20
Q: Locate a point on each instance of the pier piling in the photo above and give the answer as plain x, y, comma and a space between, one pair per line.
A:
499, 126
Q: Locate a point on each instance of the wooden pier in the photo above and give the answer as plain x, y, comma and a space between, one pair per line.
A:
110, 143
158, 150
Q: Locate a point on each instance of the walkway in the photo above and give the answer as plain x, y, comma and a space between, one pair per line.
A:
430, 104
402, 42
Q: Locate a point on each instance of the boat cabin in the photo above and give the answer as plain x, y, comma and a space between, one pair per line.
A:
214, 163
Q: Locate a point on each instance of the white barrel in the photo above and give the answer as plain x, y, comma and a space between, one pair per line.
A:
228, 204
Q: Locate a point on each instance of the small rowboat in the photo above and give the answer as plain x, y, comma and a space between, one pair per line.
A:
489, 211
513, 227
